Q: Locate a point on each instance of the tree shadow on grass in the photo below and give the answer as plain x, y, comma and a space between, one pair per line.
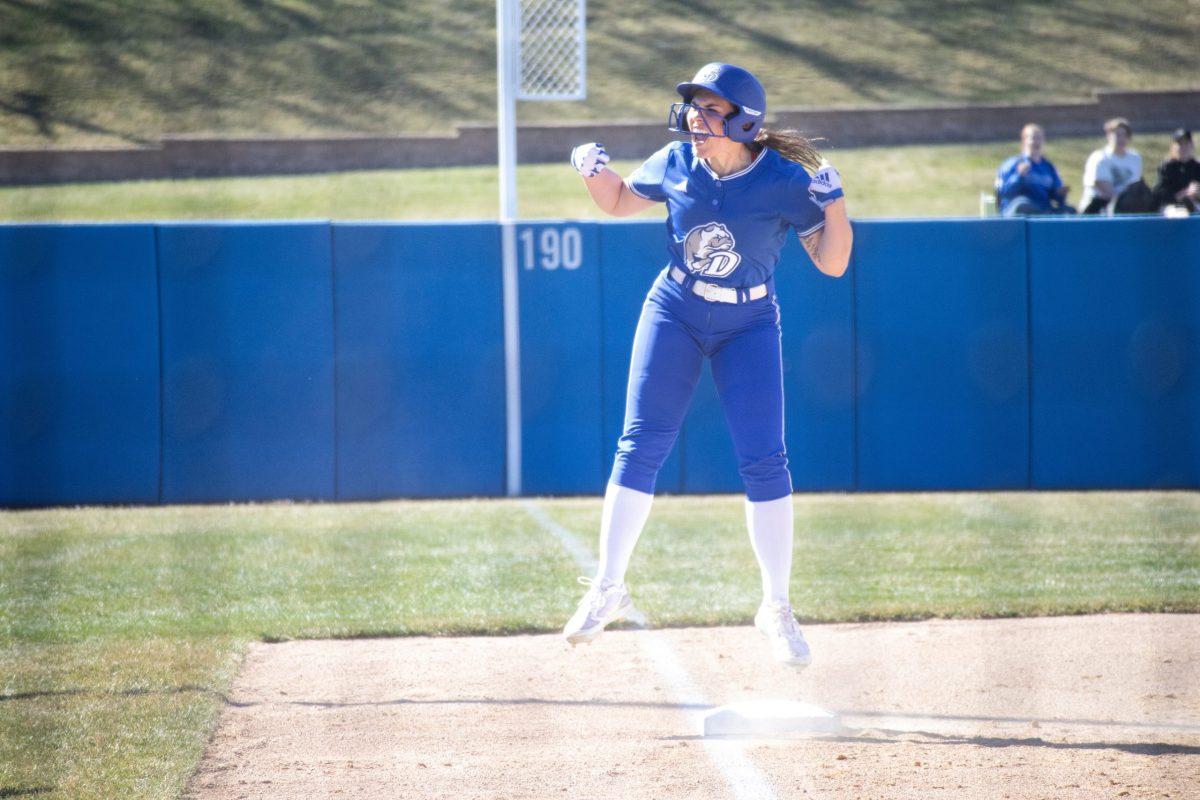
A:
312, 64
38, 108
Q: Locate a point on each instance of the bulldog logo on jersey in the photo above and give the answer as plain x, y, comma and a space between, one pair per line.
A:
708, 250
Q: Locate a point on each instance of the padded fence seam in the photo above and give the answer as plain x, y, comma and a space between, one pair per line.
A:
333, 315
162, 389
854, 398
1028, 357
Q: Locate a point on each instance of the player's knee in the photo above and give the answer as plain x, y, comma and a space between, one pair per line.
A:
640, 455
633, 474
766, 478
646, 448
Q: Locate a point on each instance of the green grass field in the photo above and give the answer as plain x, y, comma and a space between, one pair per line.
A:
121, 629
105, 72
915, 181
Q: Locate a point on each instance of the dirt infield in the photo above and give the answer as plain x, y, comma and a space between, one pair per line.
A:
1062, 707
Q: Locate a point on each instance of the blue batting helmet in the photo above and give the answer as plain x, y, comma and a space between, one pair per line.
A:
736, 85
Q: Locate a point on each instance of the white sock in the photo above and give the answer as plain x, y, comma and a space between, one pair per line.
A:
621, 523
770, 526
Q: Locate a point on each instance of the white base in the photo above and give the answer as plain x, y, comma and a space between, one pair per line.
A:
752, 717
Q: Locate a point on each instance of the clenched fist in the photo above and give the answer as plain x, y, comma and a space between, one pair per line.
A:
589, 159
826, 185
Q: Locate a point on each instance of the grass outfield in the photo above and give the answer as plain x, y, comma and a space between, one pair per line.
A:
106, 72
121, 629
915, 181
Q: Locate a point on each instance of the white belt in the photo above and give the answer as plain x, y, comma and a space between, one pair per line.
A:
718, 294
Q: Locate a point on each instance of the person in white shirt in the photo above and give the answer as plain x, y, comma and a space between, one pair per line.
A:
1110, 170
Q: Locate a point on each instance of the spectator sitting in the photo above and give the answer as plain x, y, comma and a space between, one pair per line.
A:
1179, 176
1029, 183
1111, 169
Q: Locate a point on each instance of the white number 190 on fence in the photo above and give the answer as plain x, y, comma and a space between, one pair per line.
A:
553, 248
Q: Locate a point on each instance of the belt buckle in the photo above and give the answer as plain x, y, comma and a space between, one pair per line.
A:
712, 292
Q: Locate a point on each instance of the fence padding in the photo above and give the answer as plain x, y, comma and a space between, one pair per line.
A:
1116, 353
247, 348
561, 372
420, 351
79, 402
242, 361
942, 344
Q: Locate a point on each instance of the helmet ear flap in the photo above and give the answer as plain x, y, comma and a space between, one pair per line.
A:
737, 119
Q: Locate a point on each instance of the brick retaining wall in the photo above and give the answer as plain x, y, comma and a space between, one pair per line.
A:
190, 156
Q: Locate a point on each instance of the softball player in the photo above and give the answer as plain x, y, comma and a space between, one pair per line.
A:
732, 191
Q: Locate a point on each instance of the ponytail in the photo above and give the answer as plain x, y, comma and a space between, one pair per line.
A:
792, 145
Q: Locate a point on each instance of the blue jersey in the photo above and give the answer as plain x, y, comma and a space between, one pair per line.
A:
1040, 184
728, 230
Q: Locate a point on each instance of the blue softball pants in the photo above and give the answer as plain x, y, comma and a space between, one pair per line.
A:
676, 332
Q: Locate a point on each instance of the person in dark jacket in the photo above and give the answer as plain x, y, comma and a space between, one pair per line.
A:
1179, 175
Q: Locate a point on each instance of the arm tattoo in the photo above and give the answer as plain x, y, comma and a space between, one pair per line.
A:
812, 244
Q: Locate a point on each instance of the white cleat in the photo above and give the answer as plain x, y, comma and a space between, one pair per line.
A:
600, 606
776, 622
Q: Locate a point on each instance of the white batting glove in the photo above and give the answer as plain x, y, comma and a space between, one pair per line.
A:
826, 185
589, 159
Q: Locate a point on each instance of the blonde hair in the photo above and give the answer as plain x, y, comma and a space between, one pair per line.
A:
1032, 126
792, 145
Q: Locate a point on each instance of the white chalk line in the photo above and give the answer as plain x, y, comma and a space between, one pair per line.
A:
745, 780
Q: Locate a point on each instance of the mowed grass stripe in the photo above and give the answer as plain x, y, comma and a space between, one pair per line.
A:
485, 566
912, 181
121, 629
276, 571
884, 556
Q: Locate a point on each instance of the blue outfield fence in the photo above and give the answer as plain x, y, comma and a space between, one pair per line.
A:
80, 381
942, 355
247, 361
253, 361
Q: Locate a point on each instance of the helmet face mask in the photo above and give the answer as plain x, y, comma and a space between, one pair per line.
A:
735, 85
677, 121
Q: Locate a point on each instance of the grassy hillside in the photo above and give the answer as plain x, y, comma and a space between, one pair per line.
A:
108, 72
916, 181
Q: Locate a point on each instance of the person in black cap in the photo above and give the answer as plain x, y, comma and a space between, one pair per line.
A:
1179, 175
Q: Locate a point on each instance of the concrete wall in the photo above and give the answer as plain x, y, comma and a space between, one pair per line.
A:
189, 157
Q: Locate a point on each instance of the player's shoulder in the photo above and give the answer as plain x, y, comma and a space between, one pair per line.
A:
667, 152
776, 163
1009, 163
776, 168
678, 149
676, 154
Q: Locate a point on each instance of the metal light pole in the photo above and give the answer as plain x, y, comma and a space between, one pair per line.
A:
540, 55
507, 27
